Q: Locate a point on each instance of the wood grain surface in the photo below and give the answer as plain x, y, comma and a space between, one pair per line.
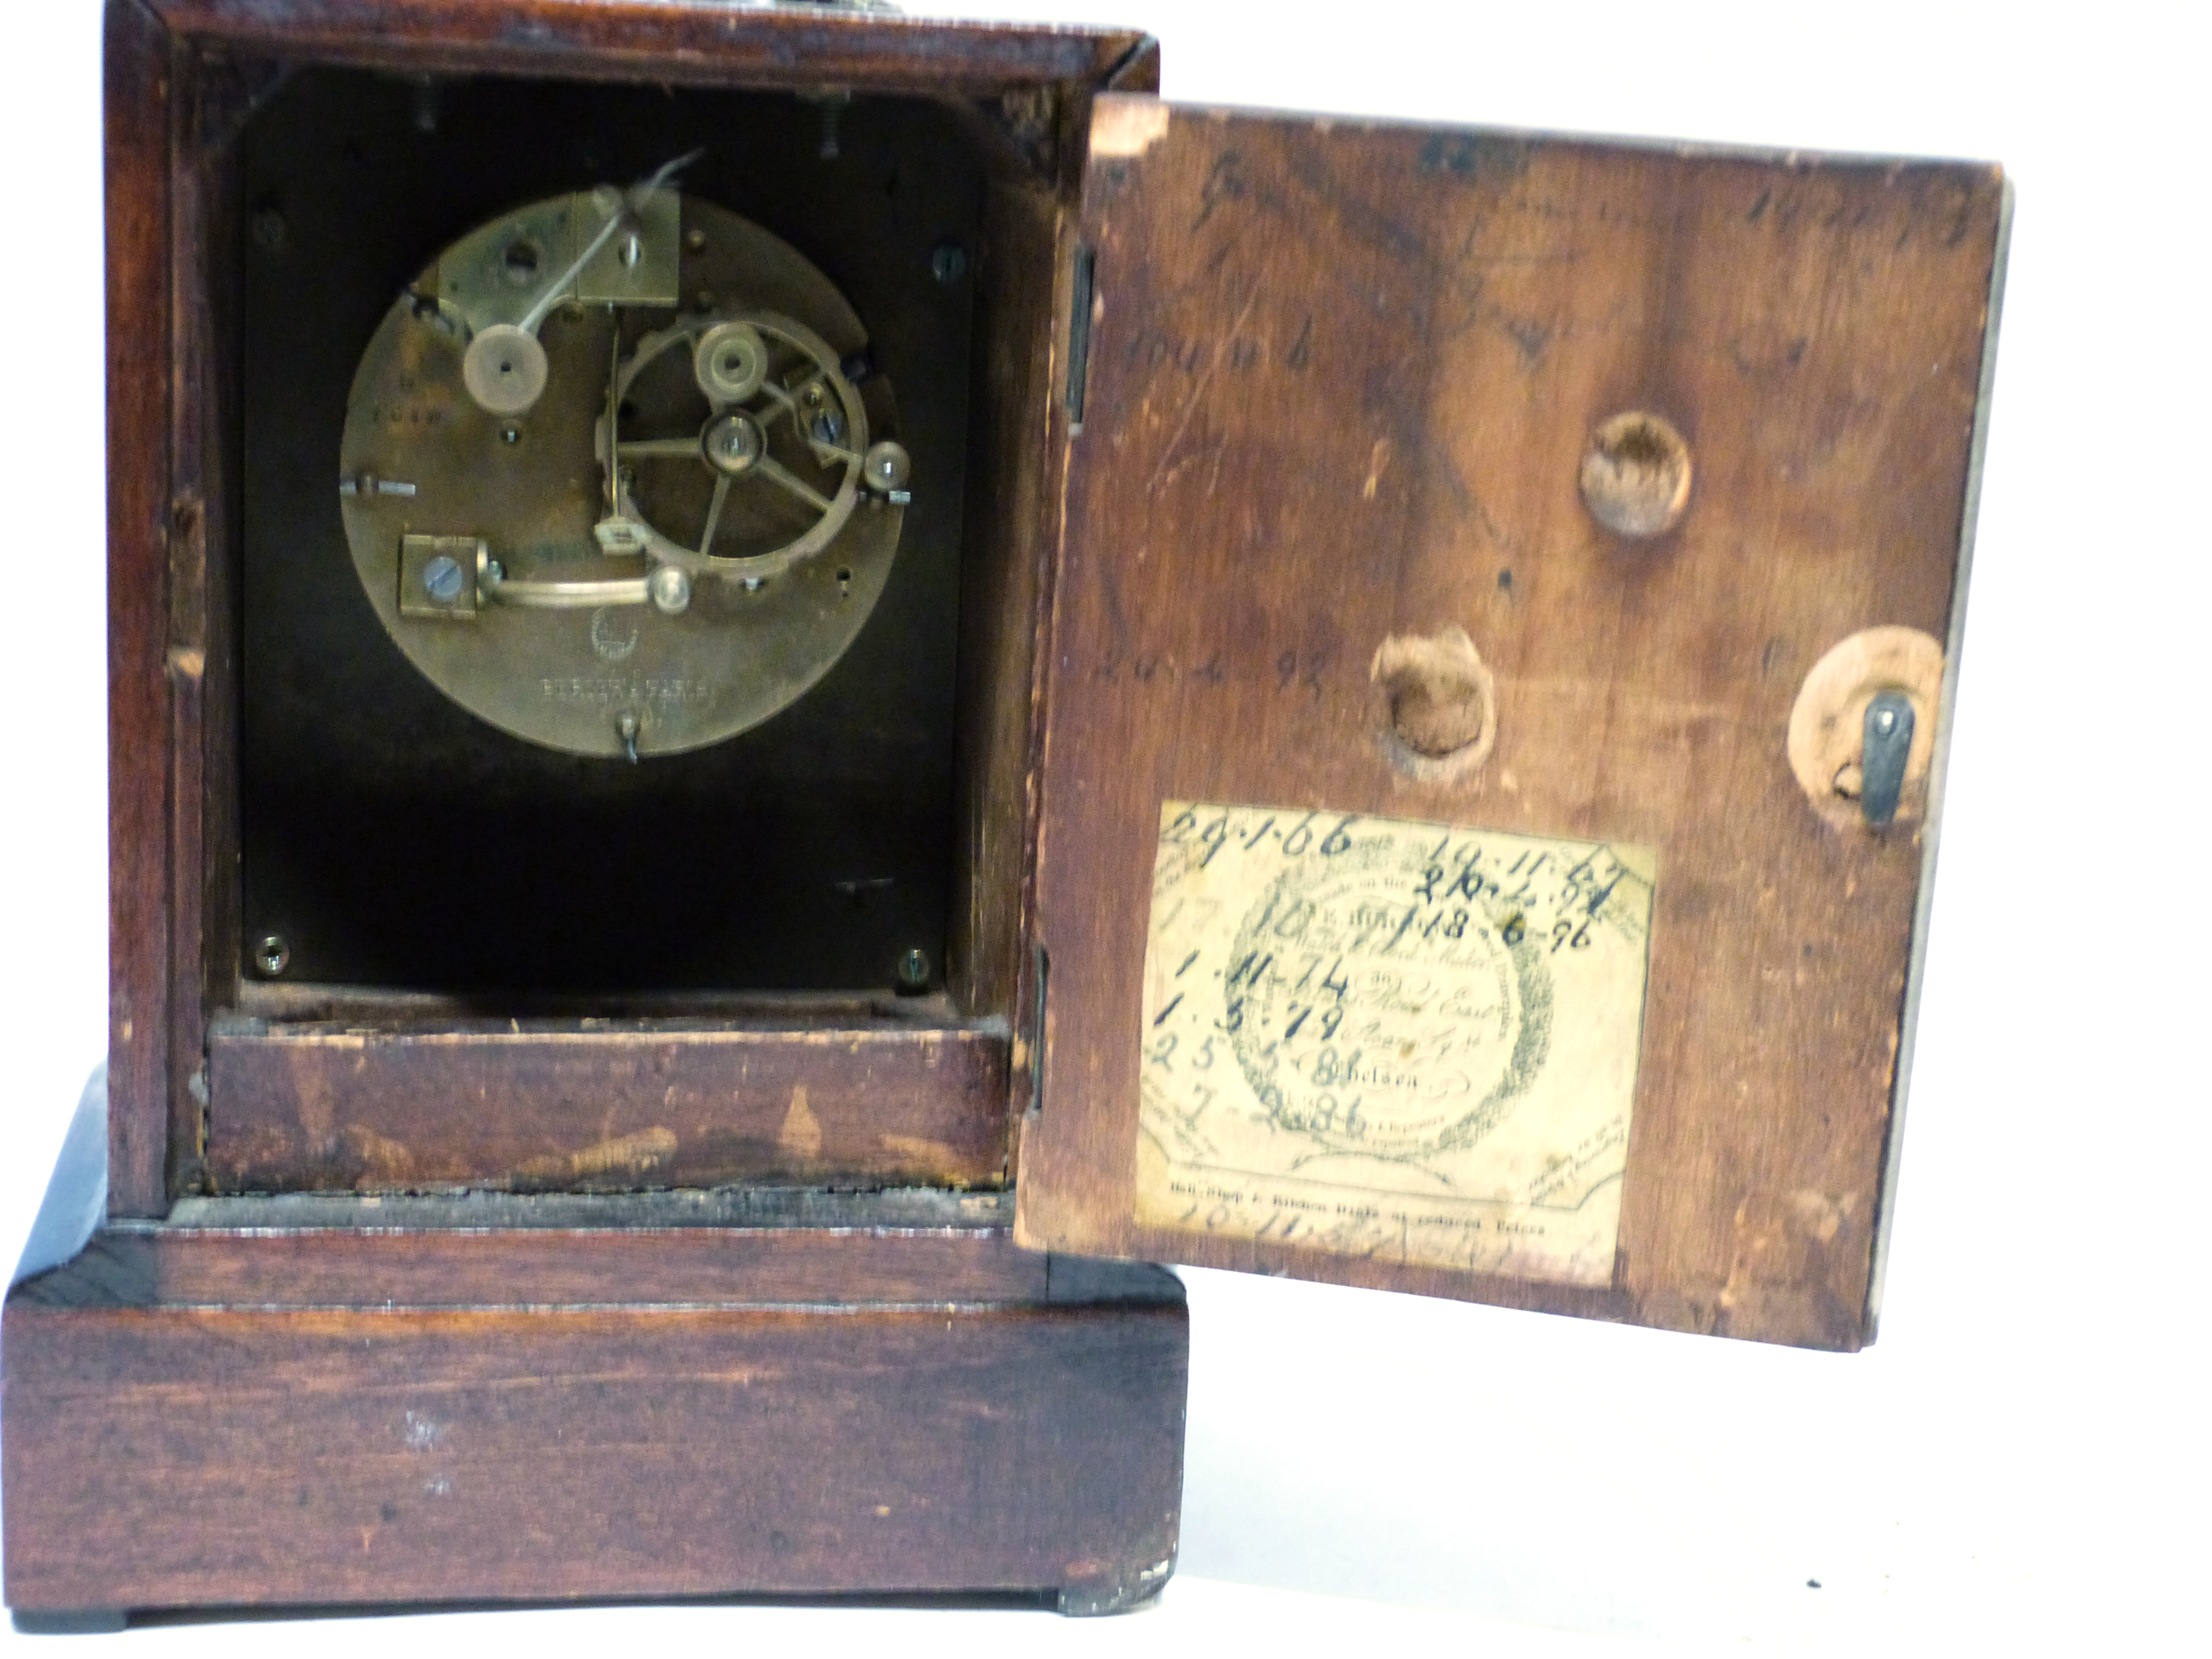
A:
1020, 463
595, 1105
139, 695
163, 1453
877, 1392
638, 40
1341, 380
1013, 519
202, 660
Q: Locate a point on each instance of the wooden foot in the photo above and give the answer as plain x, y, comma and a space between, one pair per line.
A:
83, 1621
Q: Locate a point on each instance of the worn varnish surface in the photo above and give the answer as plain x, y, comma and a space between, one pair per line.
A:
1340, 381
164, 1455
1013, 519
139, 697
587, 1106
255, 1411
1017, 488
202, 657
728, 45
427, 1268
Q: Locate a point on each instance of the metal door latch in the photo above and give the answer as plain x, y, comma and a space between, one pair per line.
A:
1887, 744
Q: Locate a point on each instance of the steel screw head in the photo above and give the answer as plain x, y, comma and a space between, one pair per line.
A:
886, 467
442, 578
510, 435
913, 971
948, 263
733, 443
670, 590
272, 955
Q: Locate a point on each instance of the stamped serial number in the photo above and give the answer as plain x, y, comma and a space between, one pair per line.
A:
664, 693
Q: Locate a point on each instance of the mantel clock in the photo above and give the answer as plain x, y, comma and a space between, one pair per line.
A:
790, 686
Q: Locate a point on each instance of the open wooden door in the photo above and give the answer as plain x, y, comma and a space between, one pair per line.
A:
1502, 650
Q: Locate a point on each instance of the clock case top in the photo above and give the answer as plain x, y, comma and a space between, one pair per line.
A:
1172, 510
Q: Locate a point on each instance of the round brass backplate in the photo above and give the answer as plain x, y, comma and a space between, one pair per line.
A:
515, 499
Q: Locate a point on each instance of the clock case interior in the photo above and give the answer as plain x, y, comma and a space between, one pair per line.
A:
643, 957
390, 837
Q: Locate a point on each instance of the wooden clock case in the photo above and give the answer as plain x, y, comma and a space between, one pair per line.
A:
430, 1294
815, 1361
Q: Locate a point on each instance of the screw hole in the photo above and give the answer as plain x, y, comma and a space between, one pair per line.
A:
273, 955
1437, 713
1636, 475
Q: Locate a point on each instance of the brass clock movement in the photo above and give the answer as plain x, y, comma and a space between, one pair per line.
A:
614, 439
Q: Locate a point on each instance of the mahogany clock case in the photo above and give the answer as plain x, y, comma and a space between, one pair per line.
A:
799, 1353
467, 916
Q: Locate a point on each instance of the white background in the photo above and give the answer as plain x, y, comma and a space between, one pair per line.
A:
2020, 1460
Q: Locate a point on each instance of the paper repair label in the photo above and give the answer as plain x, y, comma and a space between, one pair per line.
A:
1400, 1040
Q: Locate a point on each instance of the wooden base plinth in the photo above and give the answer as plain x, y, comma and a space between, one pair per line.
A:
264, 1403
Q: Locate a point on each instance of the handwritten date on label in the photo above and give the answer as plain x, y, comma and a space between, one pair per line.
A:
1394, 1040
